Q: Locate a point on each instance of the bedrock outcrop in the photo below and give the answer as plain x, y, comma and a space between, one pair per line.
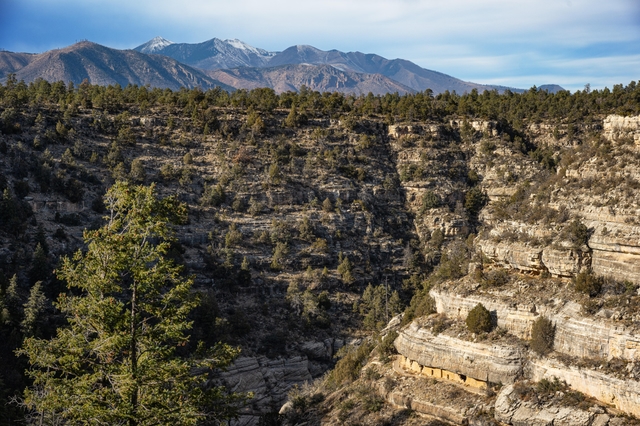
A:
557, 260
494, 363
615, 126
269, 380
512, 410
575, 334
623, 394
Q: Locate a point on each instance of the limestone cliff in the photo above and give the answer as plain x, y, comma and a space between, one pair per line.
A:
486, 362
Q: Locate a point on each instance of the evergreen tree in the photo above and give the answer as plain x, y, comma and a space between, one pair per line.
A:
33, 309
116, 362
12, 302
292, 118
39, 265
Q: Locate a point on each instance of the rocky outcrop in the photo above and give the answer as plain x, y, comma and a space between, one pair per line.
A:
486, 362
623, 394
575, 334
512, 410
269, 380
615, 126
515, 317
437, 411
515, 255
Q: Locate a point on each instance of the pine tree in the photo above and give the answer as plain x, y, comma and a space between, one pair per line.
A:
33, 310
12, 302
292, 118
116, 363
39, 265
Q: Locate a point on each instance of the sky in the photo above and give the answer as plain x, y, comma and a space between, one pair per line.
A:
516, 43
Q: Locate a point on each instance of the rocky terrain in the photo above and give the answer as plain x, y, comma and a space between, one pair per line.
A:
312, 224
540, 239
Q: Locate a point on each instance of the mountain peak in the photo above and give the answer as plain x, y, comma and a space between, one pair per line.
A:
155, 44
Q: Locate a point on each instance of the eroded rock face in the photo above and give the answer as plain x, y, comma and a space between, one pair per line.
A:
615, 125
623, 394
269, 380
516, 318
482, 361
515, 255
575, 334
510, 409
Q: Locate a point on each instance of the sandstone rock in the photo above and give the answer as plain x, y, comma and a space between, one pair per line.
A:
424, 407
516, 318
397, 130
600, 420
620, 266
393, 325
287, 407
316, 350
615, 125
565, 262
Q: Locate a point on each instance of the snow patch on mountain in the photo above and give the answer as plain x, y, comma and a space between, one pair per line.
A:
154, 45
241, 45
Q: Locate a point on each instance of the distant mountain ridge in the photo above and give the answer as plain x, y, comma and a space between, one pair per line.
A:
103, 66
323, 78
211, 54
216, 54
233, 64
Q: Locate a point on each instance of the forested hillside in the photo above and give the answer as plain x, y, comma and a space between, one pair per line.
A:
312, 218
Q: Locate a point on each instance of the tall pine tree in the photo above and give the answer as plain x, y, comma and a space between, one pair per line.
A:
116, 363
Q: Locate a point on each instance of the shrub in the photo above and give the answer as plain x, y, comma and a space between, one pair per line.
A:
345, 270
137, 172
386, 347
496, 278
422, 304
327, 205
430, 200
475, 200
255, 207
588, 283
578, 233
542, 335
479, 319
187, 159
213, 195
437, 238
348, 368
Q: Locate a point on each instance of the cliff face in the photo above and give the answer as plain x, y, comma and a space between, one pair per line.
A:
575, 334
621, 393
494, 363
269, 380
595, 185
542, 234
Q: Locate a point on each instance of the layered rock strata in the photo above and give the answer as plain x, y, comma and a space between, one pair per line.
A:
575, 334
485, 362
269, 380
623, 394
511, 410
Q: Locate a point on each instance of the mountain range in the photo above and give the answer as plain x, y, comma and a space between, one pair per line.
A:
233, 64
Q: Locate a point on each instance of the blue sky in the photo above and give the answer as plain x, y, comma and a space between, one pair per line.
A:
516, 43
